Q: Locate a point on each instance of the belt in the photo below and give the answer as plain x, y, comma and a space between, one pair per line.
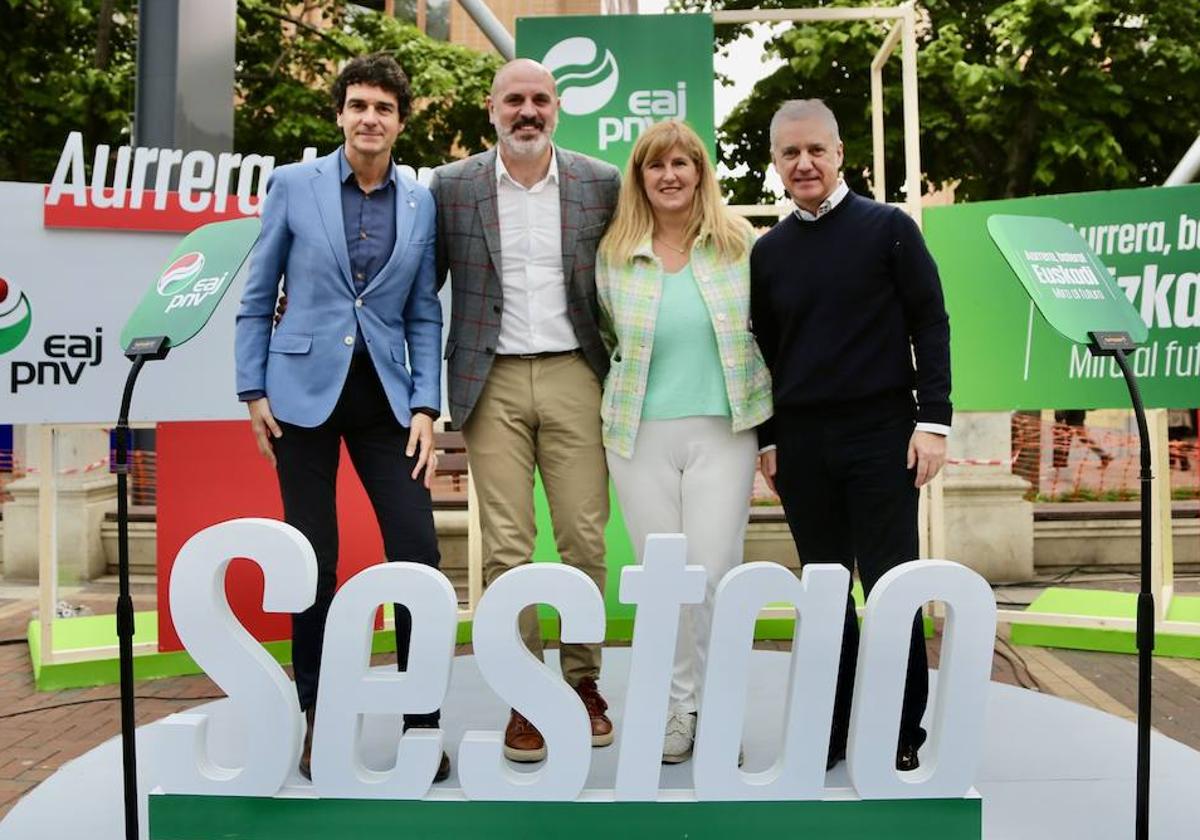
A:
549, 354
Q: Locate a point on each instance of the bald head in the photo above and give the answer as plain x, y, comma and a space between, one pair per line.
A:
523, 107
524, 69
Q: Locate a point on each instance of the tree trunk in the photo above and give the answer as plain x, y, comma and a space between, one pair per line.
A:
104, 27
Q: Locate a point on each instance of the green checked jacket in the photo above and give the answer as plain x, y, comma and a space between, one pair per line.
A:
629, 296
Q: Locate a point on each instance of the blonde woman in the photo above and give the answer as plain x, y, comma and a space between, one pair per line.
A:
687, 385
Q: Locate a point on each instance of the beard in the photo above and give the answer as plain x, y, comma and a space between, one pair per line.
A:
531, 147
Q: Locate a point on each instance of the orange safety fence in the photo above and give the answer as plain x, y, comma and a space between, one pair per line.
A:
1066, 462
143, 474
1060, 461
6, 473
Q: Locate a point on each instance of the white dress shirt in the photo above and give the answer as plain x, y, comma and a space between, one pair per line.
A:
535, 317
832, 200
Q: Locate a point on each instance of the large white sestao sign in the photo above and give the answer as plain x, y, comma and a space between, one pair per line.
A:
263, 698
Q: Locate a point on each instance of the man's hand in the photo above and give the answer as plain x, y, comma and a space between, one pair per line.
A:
420, 441
766, 465
262, 421
280, 309
926, 452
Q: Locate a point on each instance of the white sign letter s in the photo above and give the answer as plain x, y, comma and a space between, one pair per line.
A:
261, 697
529, 686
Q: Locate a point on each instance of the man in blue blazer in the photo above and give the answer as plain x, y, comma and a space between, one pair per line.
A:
357, 357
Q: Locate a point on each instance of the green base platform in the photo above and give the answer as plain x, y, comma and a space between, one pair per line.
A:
100, 631
174, 817
1093, 603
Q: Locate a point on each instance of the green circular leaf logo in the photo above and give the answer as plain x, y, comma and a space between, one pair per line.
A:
16, 316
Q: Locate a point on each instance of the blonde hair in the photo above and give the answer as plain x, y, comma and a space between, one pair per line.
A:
710, 221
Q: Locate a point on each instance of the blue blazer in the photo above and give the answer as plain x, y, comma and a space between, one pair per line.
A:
302, 366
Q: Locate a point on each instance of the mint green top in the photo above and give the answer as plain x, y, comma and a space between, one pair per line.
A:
685, 377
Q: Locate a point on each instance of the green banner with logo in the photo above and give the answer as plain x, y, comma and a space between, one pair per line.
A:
195, 278
617, 74
1004, 355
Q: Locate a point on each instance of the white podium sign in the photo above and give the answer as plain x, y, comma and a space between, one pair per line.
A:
264, 699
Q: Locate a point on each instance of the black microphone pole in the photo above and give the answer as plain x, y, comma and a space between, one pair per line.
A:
140, 351
1115, 345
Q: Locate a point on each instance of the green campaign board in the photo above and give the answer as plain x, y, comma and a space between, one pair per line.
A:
192, 283
1064, 278
1005, 356
617, 74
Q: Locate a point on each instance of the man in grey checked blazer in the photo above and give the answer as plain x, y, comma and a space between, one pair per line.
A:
517, 229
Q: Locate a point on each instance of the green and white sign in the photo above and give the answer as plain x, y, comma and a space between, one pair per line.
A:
195, 278
615, 77
1065, 279
1004, 354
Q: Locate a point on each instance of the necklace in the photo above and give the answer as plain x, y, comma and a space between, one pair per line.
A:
666, 244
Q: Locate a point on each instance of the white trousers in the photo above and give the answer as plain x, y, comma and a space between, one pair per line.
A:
690, 476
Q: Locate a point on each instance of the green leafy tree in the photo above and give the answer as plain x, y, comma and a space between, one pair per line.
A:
287, 57
1017, 97
70, 66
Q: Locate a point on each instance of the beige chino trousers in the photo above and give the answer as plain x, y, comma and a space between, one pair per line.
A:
541, 412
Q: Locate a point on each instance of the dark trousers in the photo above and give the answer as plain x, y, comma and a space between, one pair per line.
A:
307, 462
848, 497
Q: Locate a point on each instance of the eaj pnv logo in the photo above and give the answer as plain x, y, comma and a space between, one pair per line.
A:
586, 80
15, 315
179, 273
182, 283
619, 74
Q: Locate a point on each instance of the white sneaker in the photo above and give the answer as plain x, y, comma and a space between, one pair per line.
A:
681, 732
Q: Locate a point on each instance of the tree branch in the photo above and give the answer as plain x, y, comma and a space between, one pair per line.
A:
299, 23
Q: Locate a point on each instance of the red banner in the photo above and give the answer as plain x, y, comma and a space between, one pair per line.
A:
172, 217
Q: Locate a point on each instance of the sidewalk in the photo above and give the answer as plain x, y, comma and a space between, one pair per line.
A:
39, 732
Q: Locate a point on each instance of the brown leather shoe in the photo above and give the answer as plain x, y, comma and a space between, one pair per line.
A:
306, 753
602, 728
522, 741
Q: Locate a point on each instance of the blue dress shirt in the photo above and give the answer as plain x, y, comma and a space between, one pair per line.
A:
370, 222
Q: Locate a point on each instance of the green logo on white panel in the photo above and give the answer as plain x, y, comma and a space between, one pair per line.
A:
586, 80
16, 316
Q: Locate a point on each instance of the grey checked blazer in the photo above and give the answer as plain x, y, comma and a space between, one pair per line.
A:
468, 246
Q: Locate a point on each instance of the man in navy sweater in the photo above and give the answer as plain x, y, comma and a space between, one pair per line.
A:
844, 298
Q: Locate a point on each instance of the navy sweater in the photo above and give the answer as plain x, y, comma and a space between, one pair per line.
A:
840, 306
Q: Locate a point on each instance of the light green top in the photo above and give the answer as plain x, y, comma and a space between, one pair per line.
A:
629, 293
685, 378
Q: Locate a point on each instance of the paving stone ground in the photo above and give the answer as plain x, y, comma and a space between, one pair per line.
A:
41, 731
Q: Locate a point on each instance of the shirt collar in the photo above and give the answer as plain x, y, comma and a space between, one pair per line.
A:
551, 173
832, 200
345, 173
